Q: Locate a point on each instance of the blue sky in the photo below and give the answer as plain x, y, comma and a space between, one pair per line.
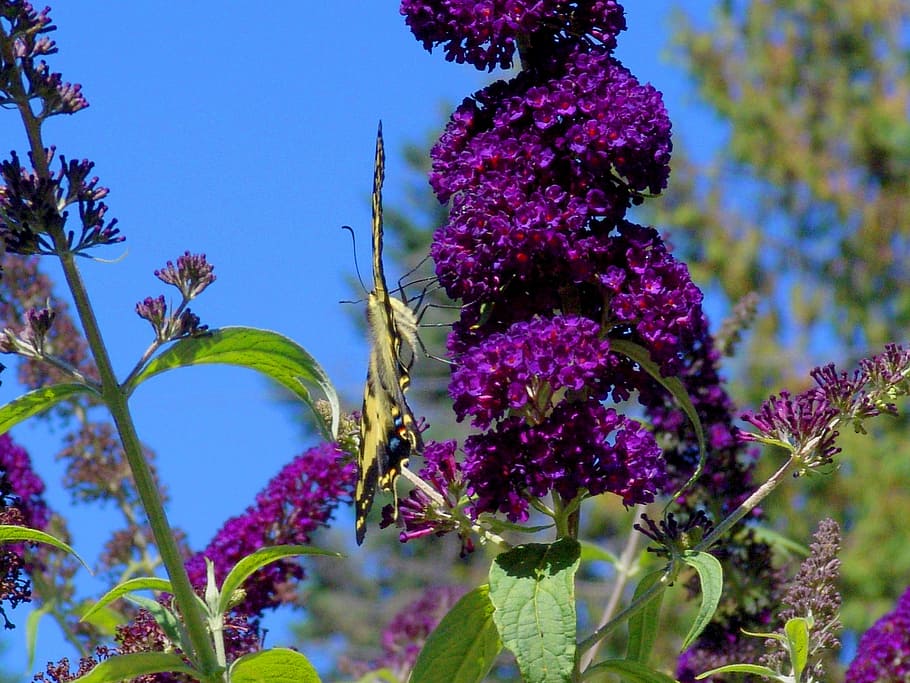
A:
246, 132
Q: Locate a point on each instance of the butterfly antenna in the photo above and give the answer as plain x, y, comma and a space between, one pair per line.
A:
354, 246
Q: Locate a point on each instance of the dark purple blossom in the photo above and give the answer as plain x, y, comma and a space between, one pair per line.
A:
487, 34
32, 207
191, 275
25, 486
523, 369
423, 515
298, 500
804, 422
524, 189
578, 447
883, 654
24, 78
143, 634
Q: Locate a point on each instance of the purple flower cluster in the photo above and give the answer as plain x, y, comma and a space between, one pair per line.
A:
538, 163
579, 446
420, 515
31, 207
25, 486
884, 650
26, 43
298, 500
487, 34
808, 422
539, 173
522, 369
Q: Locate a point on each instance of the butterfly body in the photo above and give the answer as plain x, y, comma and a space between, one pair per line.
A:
388, 430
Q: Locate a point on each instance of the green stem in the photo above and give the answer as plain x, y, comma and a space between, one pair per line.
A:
716, 534
203, 653
114, 397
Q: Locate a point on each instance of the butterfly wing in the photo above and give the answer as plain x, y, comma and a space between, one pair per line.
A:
388, 430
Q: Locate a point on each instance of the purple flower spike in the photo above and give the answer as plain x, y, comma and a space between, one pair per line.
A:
579, 446
526, 182
521, 369
884, 650
487, 34
298, 500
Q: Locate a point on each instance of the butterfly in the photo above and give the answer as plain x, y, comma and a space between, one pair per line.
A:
388, 430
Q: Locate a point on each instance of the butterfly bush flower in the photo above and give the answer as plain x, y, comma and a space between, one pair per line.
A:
297, 501
808, 423
539, 172
487, 34
883, 654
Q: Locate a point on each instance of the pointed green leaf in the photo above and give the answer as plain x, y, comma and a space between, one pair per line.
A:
592, 553
147, 583
37, 401
532, 588
797, 630
105, 620
631, 671
774, 538
743, 669
711, 577
165, 618
640, 355
463, 647
10, 533
270, 353
31, 631
278, 665
249, 564
128, 667
643, 625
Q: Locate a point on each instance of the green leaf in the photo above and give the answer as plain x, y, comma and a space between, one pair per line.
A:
643, 625
165, 618
592, 553
128, 667
249, 564
270, 353
147, 583
10, 533
797, 630
105, 620
743, 669
532, 588
385, 675
463, 647
631, 671
776, 539
640, 355
711, 576
37, 401
31, 631
278, 665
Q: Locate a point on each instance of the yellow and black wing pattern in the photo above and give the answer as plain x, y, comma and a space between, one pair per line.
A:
388, 430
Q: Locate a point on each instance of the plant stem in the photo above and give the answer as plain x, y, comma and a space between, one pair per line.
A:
203, 655
624, 571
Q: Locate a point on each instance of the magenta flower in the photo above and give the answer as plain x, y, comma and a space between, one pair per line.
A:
883, 654
299, 499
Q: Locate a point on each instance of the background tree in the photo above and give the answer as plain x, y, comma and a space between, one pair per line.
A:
806, 203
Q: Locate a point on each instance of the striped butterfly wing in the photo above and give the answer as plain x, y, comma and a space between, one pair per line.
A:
388, 430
